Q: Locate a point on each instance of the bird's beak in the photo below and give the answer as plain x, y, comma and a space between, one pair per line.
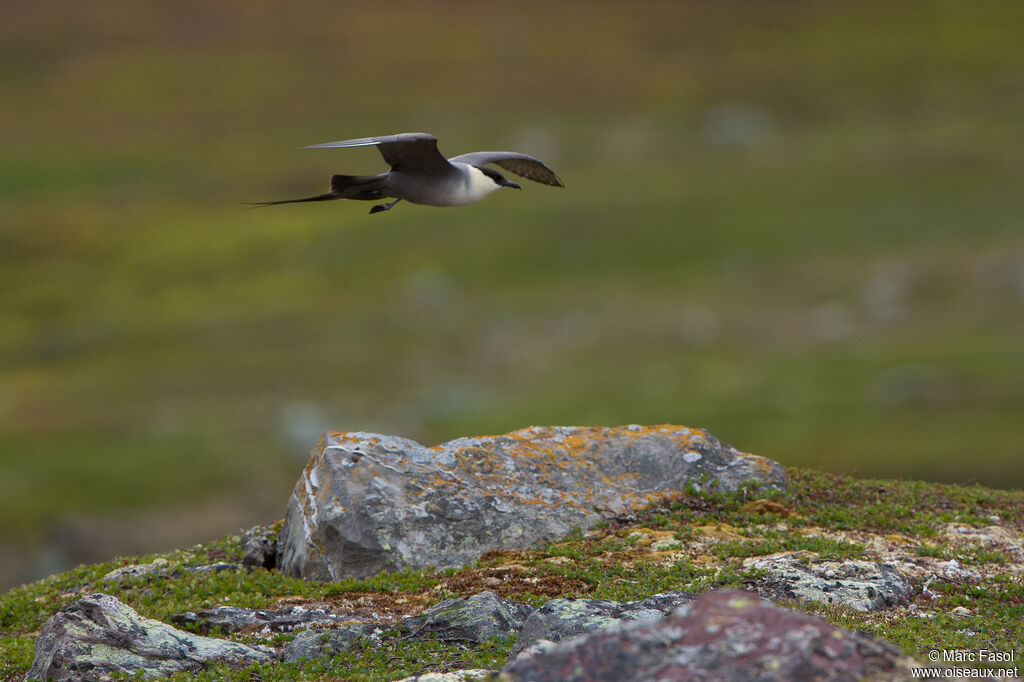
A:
512, 184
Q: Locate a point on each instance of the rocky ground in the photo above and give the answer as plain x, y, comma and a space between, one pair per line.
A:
829, 578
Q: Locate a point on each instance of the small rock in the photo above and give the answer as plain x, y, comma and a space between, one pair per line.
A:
561, 619
136, 570
476, 619
665, 602
453, 676
260, 546
990, 537
859, 585
230, 619
99, 635
764, 506
310, 644
227, 619
212, 568
727, 636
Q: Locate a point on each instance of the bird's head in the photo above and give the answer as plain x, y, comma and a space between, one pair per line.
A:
499, 179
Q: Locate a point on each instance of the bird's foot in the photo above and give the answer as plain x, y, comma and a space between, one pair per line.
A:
383, 207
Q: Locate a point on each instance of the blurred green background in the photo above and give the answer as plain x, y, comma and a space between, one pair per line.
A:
796, 224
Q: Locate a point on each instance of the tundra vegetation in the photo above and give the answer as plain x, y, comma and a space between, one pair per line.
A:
710, 535
819, 260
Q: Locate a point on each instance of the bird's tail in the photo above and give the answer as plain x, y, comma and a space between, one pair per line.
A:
319, 197
363, 187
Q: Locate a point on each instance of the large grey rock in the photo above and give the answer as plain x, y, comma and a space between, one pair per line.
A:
474, 619
311, 644
367, 503
100, 635
859, 585
727, 636
562, 618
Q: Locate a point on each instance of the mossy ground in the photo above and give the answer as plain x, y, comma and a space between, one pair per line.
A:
695, 541
820, 263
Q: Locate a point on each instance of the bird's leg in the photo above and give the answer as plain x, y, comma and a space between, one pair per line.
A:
383, 207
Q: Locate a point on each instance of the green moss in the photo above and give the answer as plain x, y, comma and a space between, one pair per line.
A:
983, 555
404, 581
829, 549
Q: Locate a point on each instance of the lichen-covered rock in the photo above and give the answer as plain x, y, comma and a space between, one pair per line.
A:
367, 503
310, 644
100, 635
727, 636
159, 566
561, 619
859, 585
230, 619
219, 567
453, 676
475, 619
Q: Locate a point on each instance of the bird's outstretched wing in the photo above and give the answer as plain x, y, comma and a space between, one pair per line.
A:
520, 164
406, 151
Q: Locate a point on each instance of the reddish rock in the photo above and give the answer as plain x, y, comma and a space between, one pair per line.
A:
728, 636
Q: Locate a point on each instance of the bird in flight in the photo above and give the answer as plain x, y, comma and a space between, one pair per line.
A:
421, 175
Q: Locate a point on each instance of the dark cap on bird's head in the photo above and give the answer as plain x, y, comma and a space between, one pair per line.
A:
499, 179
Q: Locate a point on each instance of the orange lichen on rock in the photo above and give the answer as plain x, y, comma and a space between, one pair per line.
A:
528, 486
